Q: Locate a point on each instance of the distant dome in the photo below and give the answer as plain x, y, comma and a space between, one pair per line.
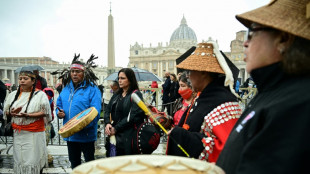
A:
183, 33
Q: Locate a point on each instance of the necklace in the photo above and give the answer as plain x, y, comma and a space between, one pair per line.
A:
186, 126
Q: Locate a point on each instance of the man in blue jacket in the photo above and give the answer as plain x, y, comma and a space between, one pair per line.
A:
80, 92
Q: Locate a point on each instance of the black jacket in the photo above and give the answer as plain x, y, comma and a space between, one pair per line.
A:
212, 96
166, 90
174, 88
271, 135
2, 93
124, 126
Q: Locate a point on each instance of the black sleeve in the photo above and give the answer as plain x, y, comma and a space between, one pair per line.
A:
167, 84
2, 91
189, 141
280, 145
107, 110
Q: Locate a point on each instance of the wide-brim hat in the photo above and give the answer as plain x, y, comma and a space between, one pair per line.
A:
202, 59
291, 16
207, 57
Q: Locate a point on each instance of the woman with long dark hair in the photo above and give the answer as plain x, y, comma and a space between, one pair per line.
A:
30, 111
122, 114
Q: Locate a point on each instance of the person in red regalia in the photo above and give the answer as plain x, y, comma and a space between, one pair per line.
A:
206, 124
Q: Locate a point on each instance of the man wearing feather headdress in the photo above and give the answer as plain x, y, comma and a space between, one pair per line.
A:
80, 92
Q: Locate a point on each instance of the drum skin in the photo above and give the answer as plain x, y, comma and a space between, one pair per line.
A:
150, 164
78, 122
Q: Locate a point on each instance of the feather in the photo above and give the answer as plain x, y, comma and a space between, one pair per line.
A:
76, 57
89, 75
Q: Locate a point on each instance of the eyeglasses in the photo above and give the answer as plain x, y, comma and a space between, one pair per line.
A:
77, 71
252, 30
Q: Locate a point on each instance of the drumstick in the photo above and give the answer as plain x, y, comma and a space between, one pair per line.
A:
141, 104
59, 109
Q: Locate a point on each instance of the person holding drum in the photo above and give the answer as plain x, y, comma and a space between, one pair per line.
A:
80, 93
271, 135
206, 124
182, 103
30, 112
123, 114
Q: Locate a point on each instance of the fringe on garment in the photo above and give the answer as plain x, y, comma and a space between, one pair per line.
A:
27, 169
31, 169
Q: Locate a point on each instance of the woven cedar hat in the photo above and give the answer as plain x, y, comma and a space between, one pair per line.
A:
202, 59
291, 16
207, 57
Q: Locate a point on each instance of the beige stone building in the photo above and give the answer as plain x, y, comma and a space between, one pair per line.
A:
237, 55
161, 58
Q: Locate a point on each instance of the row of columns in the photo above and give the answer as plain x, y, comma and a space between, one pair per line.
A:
50, 81
12, 78
160, 68
6, 61
5, 75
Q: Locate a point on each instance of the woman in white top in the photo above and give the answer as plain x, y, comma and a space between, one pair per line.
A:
29, 111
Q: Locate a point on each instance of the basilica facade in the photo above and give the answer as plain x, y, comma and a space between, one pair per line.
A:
161, 58
157, 59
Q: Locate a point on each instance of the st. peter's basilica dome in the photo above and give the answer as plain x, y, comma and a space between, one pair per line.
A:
183, 35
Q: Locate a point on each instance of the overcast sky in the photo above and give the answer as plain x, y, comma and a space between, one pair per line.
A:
60, 28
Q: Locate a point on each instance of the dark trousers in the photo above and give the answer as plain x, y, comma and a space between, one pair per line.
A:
169, 108
153, 98
75, 149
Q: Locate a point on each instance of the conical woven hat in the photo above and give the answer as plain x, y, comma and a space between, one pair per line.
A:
202, 59
292, 16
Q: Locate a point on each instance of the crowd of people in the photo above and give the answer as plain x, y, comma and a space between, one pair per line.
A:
268, 136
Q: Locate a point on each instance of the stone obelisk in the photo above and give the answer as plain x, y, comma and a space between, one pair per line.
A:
111, 49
